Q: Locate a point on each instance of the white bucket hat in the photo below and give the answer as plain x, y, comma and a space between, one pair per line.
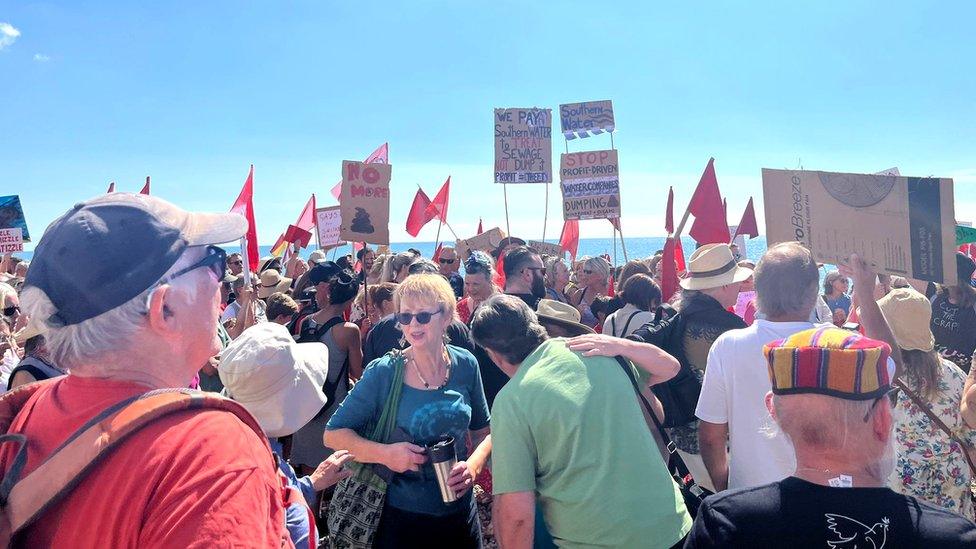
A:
277, 380
713, 266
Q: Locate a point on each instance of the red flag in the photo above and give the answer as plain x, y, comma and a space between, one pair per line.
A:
145, 188
669, 274
437, 209
306, 219
747, 225
437, 253
244, 205
615, 221
297, 235
419, 214
380, 156
480, 229
669, 213
111, 188
679, 255
611, 286
569, 240
706, 205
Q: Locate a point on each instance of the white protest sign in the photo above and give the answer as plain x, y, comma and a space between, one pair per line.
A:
11, 240
328, 220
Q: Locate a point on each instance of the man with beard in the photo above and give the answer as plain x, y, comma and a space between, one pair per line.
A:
525, 275
830, 397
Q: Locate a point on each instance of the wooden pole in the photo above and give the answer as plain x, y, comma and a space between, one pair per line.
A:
508, 227
614, 246
545, 216
365, 289
623, 245
438, 242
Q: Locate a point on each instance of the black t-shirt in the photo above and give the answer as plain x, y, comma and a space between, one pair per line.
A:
954, 328
797, 514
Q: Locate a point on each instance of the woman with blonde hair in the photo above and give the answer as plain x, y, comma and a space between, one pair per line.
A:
594, 279
441, 399
557, 278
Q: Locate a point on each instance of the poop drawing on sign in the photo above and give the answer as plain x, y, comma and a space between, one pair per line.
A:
361, 223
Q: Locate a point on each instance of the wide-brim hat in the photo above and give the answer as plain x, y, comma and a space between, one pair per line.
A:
272, 281
277, 380
713, 266
562, 314
909, 315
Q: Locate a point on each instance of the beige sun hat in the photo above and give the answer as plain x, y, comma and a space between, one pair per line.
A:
272, 281
713, 266
565, 315
277, 380
909, 315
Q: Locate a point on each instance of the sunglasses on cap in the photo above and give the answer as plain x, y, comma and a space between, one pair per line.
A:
422, 318
9, 311
215, 260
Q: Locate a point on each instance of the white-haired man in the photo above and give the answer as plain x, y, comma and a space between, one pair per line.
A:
127, 286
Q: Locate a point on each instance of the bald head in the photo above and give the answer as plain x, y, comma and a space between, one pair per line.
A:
787, 281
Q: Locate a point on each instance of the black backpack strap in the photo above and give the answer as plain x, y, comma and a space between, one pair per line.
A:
627, 324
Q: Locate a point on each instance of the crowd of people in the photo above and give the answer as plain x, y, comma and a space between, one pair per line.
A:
484, 398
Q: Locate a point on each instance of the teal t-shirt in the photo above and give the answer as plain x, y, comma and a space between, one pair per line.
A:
570, 429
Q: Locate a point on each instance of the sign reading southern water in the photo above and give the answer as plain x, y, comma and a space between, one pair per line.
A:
584, 119
523, 145
590, 185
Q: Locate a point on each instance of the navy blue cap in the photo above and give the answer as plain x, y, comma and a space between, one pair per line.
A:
323, 272
104, 252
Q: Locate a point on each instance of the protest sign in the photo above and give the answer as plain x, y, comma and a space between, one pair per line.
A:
545, 248
523, 145
12, 215
590, 185
583, 119
487, 241
903, 226
328, 220
11, 240
298, 236
365, 202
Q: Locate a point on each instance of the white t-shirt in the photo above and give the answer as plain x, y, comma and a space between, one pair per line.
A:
734, 392
620, 317
231, 311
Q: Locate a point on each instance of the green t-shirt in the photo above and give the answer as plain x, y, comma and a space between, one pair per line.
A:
570, 429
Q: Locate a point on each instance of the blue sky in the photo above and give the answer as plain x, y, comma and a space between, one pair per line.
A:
192, 93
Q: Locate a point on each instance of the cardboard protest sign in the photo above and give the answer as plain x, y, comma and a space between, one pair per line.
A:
365, 202
487, 241
903, 226
298, 235
523, 145
584, 119
12, 215
545, 248
590, 185
11, 240
328, 220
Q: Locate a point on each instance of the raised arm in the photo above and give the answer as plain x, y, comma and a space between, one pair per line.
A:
875, 325
660, 365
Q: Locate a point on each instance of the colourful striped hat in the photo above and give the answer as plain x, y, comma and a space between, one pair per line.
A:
830, 361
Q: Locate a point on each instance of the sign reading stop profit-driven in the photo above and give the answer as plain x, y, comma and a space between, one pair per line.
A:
11, 240
590, 185
523, 145
365, 202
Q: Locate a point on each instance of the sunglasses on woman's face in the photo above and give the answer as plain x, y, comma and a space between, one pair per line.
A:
422, 318
587, 272
10, 311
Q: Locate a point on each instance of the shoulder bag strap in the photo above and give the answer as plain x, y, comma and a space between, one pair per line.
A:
674, 459
935, 419
387, 420
627, 324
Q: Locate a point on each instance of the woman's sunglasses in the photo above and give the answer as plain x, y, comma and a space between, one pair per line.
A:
10, 311
422, 318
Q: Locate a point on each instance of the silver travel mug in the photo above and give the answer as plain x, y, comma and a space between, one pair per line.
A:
443, 458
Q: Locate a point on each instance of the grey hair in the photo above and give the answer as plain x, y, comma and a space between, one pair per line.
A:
507, 326
822, 422
396, 262
600, 265
86, 342
786, 281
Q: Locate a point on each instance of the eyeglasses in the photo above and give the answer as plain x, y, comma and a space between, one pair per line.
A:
587, 272
10, 311
215, 260
445, 261
892, 395
422, 318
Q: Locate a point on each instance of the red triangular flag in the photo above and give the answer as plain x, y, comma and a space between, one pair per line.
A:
679, 256
669, 274
706, 205
747, 225
615, 221
418, 216
569, 240
380, 156
145, 188
437, 209
669, 213
437, 253
111, 188
611, 289
306, 219
480, 229
244, 205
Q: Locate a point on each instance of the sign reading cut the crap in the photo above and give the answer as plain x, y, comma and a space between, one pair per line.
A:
583, 119
590, 185
11, 240
523, 145
365, 202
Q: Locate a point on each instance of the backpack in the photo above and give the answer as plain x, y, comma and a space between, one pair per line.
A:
23, 501
308, 334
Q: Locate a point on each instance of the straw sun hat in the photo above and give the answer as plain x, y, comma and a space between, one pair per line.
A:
713, 266
561, 314
271, 282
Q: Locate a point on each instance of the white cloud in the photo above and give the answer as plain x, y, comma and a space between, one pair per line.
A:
41, 58
8, 35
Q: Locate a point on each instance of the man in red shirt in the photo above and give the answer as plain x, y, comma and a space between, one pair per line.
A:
127, 286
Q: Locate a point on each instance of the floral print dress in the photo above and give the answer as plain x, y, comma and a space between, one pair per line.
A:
930, 466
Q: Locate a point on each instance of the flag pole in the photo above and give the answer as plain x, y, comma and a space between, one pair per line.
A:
508, 228
365, 288
438, 242
545, 216
614, 246
622, 244
456, 237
